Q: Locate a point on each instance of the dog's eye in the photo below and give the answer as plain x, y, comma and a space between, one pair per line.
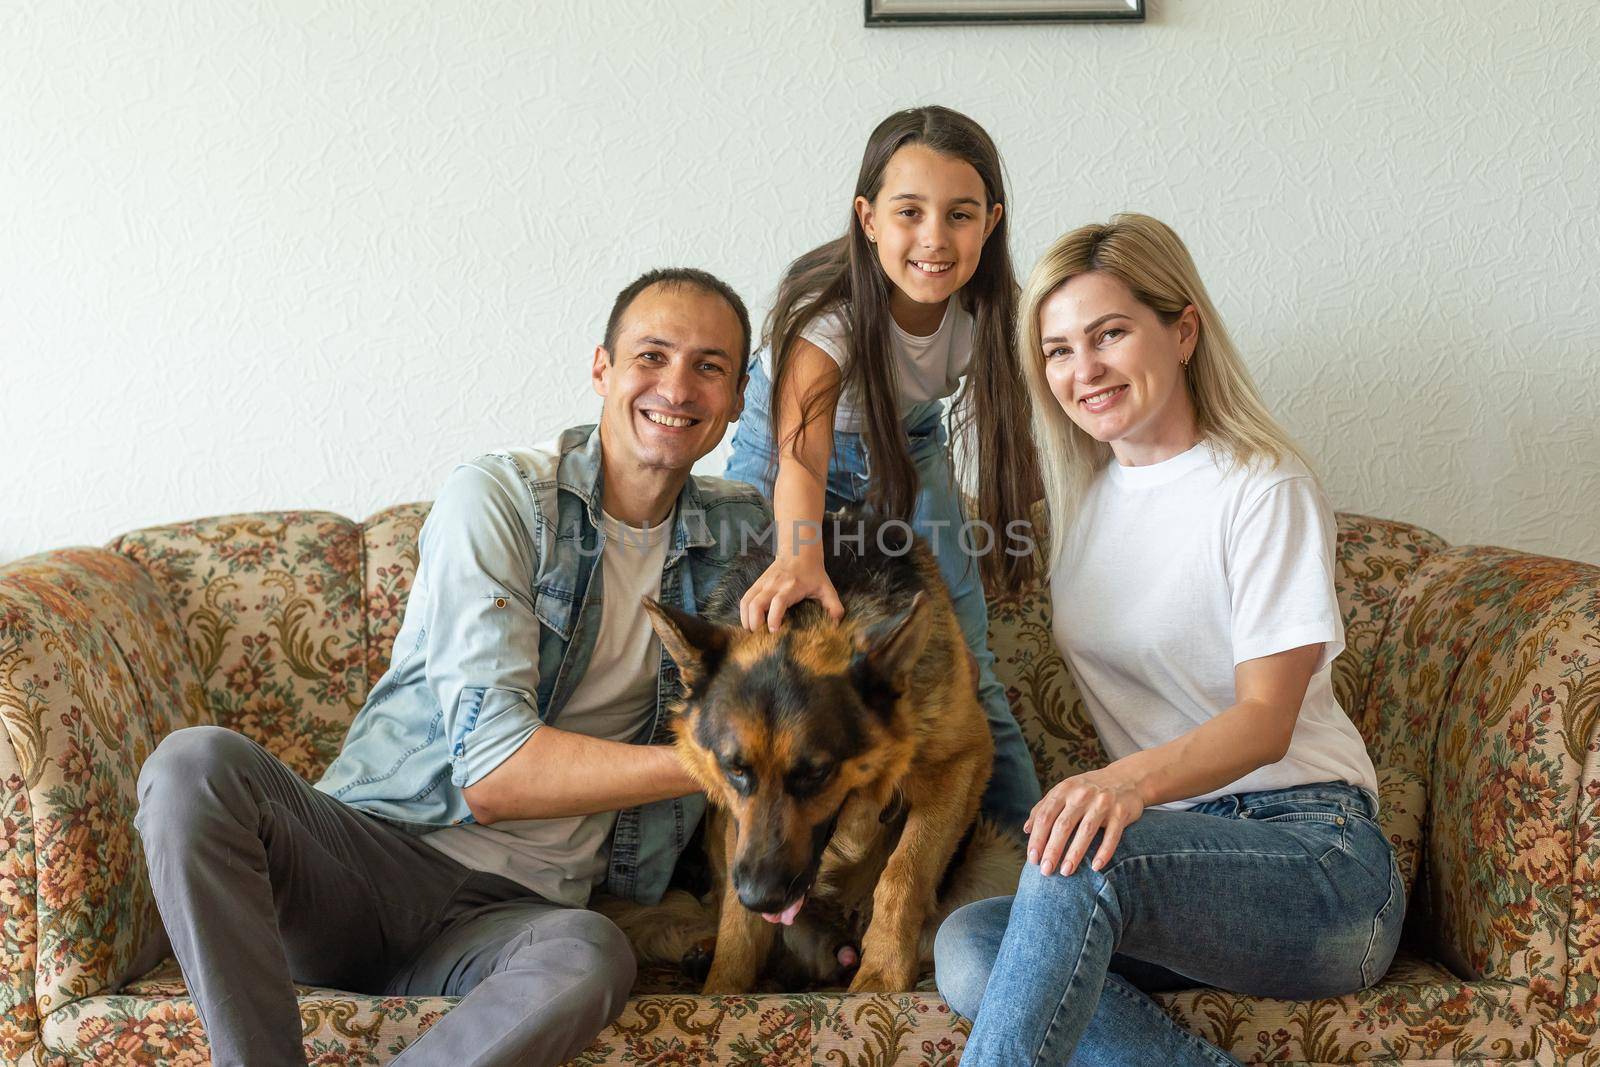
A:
738, 777
809, 779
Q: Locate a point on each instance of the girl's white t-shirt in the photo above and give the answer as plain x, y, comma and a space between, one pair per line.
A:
1175, 572
927, 368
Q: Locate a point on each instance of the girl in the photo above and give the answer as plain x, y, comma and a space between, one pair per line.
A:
870, 332
1232, 841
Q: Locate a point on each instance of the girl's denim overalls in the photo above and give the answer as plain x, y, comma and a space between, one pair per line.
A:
938, 518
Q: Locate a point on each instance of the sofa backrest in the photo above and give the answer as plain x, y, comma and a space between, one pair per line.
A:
390, 537
276, 615
1375, 557
291, 617
1376, 560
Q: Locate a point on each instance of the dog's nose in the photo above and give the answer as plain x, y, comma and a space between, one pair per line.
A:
761, 891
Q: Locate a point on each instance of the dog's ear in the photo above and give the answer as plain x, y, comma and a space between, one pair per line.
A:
695, 644
888, 651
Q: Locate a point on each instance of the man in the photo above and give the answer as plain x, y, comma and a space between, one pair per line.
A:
452, 846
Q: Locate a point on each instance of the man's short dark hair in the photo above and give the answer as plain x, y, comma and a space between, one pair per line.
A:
697, 279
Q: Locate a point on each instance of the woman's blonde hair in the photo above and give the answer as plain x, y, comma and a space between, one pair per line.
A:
1151, 260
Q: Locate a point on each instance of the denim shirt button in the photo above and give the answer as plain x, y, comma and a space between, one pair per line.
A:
1339, 821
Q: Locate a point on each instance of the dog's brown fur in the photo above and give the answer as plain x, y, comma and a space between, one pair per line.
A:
845, 761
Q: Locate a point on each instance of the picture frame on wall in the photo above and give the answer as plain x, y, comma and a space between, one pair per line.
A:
917, 12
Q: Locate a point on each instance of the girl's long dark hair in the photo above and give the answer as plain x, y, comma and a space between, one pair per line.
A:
992, 409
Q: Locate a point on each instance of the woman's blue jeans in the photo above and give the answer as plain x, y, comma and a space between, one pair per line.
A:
938, 518
1291, 893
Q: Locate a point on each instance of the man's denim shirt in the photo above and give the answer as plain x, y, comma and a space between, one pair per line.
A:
507, 566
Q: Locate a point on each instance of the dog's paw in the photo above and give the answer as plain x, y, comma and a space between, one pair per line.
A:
696, 962
877, 979
726, 979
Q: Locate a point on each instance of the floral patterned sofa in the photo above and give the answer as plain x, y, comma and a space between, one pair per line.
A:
1473, 672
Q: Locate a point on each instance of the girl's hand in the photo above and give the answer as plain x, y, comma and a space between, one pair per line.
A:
1107, 799
785, 583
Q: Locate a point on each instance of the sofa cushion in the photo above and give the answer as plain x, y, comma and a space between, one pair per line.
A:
1375, 559
153, 1021
389, 567
1417, 1013
272, 606
1041, 688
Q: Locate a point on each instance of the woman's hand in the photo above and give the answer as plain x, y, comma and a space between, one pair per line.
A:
1075, 810
785, 583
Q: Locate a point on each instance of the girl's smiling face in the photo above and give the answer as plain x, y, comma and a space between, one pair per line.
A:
928, 222
1116, 368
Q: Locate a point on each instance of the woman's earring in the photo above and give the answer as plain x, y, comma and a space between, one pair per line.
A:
871, 239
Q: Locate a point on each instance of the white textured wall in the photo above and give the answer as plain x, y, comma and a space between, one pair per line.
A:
310, 253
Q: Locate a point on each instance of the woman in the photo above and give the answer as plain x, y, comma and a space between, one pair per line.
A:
1232, 840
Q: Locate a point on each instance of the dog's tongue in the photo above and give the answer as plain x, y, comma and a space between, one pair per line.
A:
787, 917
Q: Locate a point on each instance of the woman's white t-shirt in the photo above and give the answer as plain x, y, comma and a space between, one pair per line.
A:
1175, 572
927, 368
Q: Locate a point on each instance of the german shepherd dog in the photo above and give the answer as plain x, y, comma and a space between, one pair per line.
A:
844, 762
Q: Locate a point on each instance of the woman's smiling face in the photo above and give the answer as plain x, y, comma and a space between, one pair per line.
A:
928, 221
1117, 369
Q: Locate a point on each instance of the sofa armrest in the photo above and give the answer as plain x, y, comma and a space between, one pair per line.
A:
1502, 652
19, 887
93, 672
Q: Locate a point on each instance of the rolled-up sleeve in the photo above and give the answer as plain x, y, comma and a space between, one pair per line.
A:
476, 563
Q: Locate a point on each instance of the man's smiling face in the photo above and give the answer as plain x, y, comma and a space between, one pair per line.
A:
673, 382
